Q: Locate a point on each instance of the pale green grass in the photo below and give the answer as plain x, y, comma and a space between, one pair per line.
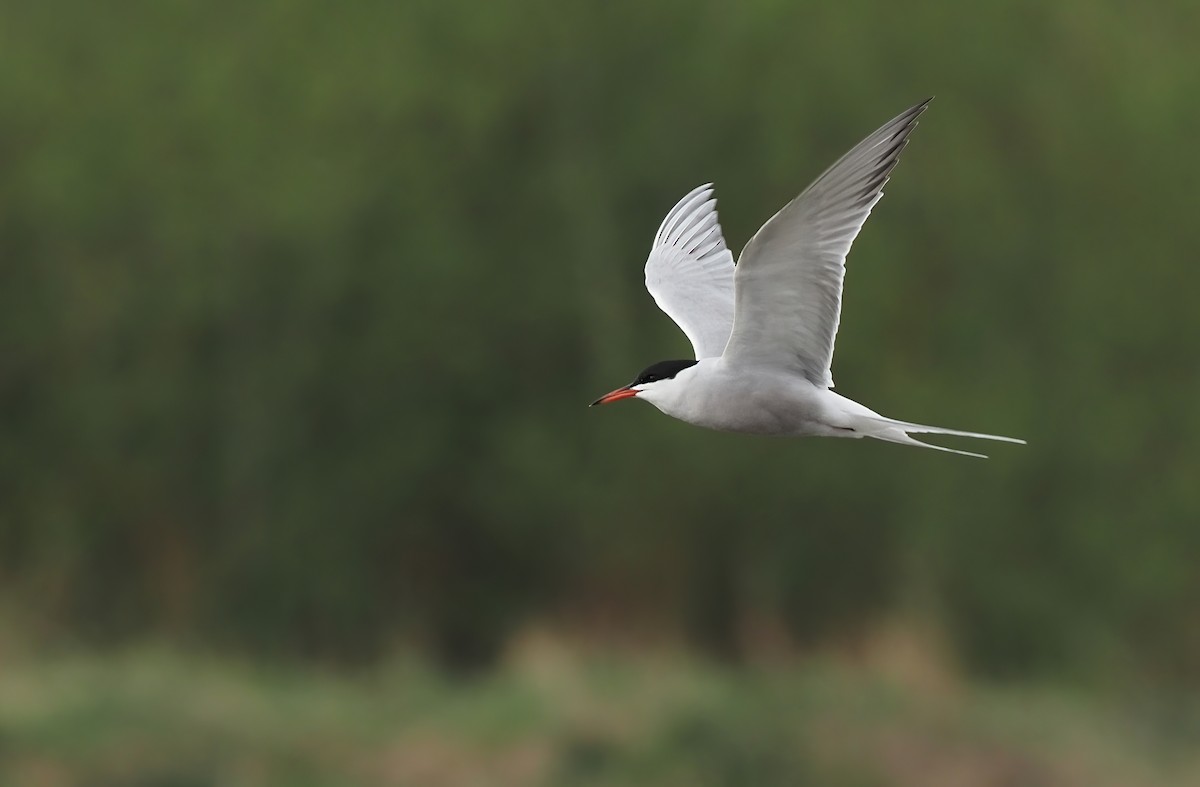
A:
160, 718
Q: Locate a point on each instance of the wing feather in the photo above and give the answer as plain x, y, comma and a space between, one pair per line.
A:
690, 272
789, 277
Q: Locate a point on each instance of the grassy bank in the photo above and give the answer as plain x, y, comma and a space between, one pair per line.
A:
155, 717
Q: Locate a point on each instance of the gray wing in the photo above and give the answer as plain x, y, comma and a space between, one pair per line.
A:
789, 277
690, 272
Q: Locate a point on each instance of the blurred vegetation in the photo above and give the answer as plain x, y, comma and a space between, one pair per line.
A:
301, 304
152, 719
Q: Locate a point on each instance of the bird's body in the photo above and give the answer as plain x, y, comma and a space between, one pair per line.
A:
763, 331
768, 402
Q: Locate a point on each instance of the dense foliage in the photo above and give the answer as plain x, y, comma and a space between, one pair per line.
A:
301, 305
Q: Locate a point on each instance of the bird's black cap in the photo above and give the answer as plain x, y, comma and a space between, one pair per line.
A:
663, 370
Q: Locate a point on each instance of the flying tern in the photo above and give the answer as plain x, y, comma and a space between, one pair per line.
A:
763, 329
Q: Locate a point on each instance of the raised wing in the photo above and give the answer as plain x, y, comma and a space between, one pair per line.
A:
789, 277
690, 272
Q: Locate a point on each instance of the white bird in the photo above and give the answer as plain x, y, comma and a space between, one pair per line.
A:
763, 330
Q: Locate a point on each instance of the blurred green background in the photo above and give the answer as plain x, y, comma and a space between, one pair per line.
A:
301, 304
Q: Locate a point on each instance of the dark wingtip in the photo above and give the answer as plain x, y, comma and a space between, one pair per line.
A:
918, 108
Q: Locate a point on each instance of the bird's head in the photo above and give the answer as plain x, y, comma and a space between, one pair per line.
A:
655, 381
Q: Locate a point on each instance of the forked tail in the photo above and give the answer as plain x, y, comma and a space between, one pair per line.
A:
894, 431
